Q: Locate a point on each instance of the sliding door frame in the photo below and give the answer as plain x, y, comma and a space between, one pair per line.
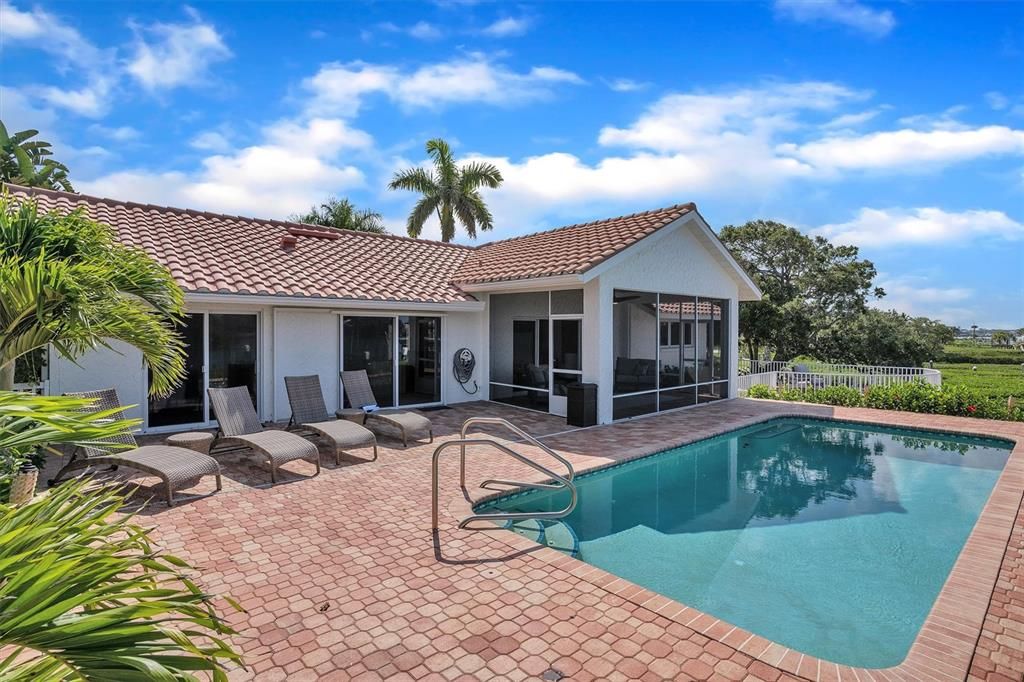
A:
442, 352
208, 420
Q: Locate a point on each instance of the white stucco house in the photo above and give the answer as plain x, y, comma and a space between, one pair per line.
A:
644, 305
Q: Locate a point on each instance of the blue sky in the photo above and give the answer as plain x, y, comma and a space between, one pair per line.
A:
897, 127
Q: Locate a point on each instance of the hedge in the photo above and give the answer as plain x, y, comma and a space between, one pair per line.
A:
914, 396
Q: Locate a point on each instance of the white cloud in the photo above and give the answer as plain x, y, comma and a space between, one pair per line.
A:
682, 122
921, 226
38, 29
849, 13
997, 100
916, 295
852, 120
421, 30
626, 85
294, 166
903, 149
507, 27
210, 140
118, 134
339, 89
175, 55
425, 31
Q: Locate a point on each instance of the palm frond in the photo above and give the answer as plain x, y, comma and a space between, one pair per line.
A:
423, 209
414, 180
480, 211
477, 174
86, 595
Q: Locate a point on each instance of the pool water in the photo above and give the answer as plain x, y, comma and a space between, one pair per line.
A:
830, 538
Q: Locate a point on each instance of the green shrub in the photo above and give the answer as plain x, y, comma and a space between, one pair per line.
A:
762, 391
915, 396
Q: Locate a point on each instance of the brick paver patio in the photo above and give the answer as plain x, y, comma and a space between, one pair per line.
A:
342, 579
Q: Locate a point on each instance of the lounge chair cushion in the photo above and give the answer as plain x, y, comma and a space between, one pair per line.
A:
175, 465
279, 446
343, 432
410, 421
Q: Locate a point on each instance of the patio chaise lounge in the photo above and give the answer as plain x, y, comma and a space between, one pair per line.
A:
172, 465
360, 396
239, 424
309, 411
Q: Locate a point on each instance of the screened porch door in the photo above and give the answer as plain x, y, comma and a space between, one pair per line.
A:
566, 359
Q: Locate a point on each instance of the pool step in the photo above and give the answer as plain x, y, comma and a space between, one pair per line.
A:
554, 534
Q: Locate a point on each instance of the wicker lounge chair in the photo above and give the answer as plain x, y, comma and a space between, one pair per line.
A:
240, 425
309, 412
360, 395
172, 465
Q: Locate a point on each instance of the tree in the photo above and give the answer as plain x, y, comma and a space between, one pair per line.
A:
877, 337
65, 280
24, 161
342, 215
450, 191
1000, 338
810, 285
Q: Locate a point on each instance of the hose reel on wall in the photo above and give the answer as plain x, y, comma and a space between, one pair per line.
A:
463, 365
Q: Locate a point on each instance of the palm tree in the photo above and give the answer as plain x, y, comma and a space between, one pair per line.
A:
66, 281
450, 191
342, 215
24, 162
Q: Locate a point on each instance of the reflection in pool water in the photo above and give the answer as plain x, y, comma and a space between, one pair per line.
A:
830, 538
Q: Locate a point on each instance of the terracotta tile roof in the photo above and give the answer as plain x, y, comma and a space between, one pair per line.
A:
210, 252
565, 251
216, 253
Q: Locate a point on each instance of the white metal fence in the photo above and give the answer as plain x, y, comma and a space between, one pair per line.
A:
777, 374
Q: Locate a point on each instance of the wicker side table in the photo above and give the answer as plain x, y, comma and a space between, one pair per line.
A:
352, 414
193, 440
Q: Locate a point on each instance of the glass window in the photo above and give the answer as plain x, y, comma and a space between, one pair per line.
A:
635, 343
675, 358
568, 340
677, 397
233, 352
185, 403
521, 397
419, 348
519, 339
634, 405
711, 352
707, 393
369, 344
569, 302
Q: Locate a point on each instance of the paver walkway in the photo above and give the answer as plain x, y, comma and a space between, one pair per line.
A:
342, 579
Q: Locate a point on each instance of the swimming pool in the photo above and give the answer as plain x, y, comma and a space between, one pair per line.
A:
830, 538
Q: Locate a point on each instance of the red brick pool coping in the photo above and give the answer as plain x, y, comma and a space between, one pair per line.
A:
946, 644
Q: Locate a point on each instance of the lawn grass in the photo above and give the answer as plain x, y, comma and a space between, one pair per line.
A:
999, 373
996, 381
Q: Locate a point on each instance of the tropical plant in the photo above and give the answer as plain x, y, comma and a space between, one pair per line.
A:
912, 396
342, 215
450, 191
66, 280
810, 285
85, 595
24, 161
30, 425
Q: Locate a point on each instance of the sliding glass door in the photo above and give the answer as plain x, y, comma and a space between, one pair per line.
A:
186, 404
419, 351
403, 367
221, 351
